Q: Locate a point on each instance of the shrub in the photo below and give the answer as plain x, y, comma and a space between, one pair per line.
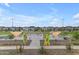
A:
11, 36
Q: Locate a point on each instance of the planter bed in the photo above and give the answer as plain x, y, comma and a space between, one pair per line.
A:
54, 42
12, 42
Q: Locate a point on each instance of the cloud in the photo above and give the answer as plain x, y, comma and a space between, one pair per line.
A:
76, 16
75, 19
6, 4
22, 20
25, 20
54, 10
1, 12
56, 22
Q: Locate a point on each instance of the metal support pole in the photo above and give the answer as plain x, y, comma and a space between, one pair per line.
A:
12, 22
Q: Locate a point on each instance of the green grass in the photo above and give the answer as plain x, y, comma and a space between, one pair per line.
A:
4, 33
69, 33
73, 33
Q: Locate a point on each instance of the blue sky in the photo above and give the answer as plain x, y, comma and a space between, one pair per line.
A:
39, 14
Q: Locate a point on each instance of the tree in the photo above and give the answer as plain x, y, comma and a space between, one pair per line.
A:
49, 29
25, 38
20, 49
68, 44
69, 49
37, 28
46, 39
42, 51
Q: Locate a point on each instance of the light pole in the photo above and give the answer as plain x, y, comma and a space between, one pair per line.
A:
62, 22
12, 22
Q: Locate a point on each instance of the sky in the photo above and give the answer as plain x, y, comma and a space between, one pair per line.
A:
39, 14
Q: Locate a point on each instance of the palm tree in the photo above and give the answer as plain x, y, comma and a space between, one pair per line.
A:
25, 38
68, 44
11, 36
42, 51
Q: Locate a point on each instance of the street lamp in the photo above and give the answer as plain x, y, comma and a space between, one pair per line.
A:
12, 22
62, 22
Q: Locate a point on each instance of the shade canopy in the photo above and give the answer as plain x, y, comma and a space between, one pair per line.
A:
16, 33
56, 33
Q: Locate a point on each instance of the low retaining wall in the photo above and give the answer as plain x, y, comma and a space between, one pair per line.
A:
54, 42
37, 52
12, 42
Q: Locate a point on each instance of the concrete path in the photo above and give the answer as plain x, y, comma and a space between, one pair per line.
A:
75, 47
35, 43
35, 40
29, 47
7, 47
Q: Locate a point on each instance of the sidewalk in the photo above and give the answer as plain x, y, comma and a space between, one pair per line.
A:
31, 47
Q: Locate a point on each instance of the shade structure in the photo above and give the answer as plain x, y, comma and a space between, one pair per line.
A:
56, 33
16, 33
